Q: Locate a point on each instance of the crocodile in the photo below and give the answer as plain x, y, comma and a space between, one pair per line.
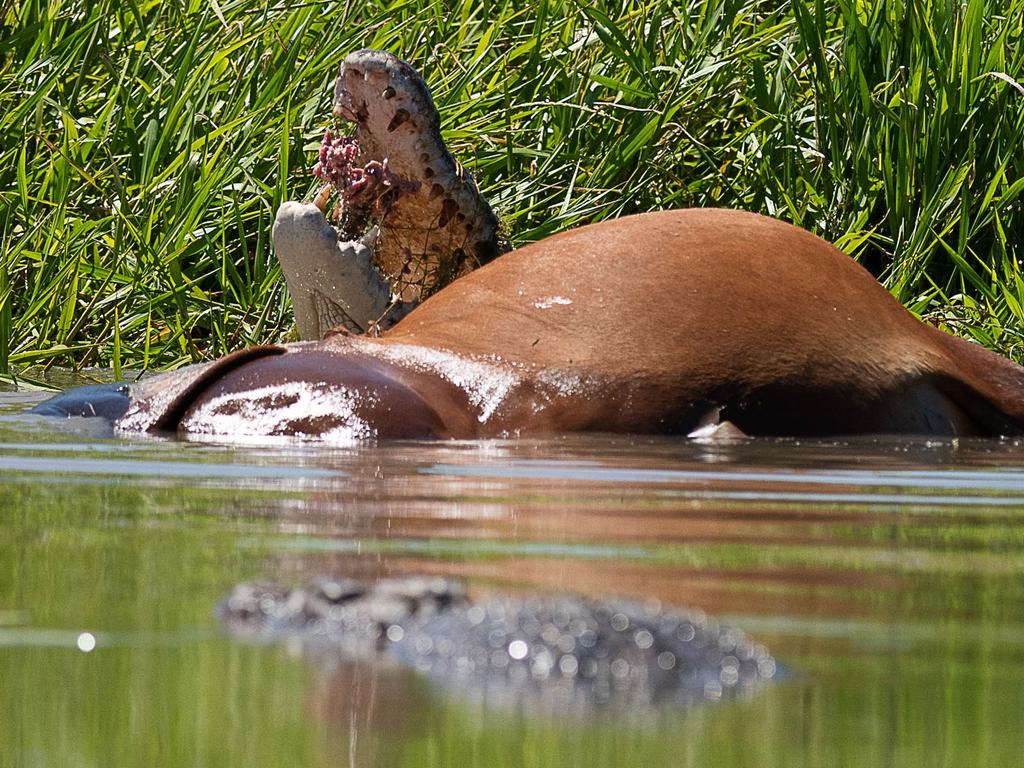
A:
410, 218
528, 651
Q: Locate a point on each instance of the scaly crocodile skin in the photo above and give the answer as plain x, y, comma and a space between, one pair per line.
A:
420, 222
538, 653
443, 229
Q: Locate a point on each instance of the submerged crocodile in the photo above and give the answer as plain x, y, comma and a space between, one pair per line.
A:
536, 652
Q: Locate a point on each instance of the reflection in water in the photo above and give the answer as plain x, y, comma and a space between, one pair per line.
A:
884, 574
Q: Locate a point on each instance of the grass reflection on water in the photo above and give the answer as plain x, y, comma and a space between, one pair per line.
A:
884, 576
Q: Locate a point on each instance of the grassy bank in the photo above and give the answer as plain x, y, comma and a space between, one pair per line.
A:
145, 146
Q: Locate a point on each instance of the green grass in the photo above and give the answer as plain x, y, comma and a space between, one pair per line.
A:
146, 145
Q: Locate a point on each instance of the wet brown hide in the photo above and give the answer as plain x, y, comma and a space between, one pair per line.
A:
651, 323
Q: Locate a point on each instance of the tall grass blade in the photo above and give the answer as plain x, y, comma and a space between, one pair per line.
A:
144, 147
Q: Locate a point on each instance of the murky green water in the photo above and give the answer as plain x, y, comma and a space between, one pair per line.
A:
885, 576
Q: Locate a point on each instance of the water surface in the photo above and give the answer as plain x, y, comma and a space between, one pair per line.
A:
885, 575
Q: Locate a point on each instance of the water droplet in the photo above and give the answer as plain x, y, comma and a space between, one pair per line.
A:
542, 664
685, 632
499, 659
496, 639
569, 665
643, 639
620, 668
476, 615
729, 676
566, 643
518, 649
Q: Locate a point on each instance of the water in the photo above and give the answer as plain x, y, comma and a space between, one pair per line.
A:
884, 575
